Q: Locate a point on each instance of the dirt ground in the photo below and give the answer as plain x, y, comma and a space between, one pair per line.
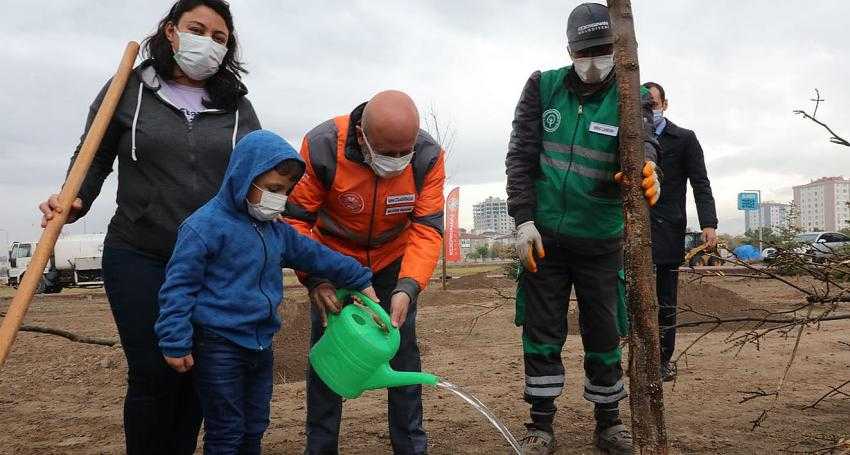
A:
60, 397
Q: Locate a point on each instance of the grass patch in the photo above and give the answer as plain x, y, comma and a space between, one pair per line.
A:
468, 269
7, 292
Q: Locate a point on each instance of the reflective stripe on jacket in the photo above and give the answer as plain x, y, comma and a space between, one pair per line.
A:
343, 204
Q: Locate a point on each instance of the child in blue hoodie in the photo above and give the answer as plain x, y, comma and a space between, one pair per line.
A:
218, 306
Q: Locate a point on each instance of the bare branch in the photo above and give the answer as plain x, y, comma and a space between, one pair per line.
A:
817, 99
836, 445
502, 295
70, 335
759, 420
766, 272
754, 394
66, 334
794, 321
685, 351
764, 325
792, 358
445, 135
833, 391
835, 139
842, 297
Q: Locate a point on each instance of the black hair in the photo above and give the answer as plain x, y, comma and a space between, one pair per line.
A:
225, 87
294, 169
658, 87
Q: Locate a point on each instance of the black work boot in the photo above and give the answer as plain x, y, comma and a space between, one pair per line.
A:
538, 441
668, 372
540, 438
615, 440
611, 435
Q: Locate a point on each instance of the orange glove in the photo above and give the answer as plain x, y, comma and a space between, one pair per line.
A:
650, 184
528, 241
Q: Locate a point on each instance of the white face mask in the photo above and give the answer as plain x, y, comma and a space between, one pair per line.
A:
385, 166
271, 205
593, 70
198, 56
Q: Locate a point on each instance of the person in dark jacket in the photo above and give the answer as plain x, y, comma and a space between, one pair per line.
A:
562, 167
173, 131
216, 314
682, 161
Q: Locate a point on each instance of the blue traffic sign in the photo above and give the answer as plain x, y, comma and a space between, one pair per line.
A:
748, 201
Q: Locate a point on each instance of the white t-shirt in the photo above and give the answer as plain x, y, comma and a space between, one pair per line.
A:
187, 99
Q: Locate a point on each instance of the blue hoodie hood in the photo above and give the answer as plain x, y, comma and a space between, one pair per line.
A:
254, 155
225, 274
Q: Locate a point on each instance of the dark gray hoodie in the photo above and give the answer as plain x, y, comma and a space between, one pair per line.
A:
167, 166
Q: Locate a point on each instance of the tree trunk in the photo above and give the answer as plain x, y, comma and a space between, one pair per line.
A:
646, 393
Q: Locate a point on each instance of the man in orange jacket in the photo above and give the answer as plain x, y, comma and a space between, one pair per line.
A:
373, 190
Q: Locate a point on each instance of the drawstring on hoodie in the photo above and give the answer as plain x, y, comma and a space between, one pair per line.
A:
235, 129
135, 120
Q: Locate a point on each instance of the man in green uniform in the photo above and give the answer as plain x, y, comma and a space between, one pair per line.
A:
563, 192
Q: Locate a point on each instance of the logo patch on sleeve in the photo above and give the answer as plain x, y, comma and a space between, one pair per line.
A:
397, 199
398, 210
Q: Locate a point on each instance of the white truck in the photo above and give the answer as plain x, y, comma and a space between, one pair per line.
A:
76, 262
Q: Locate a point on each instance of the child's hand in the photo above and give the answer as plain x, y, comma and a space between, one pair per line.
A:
180, 364
370, 292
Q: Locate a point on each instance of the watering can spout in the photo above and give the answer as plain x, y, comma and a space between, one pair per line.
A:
385, 377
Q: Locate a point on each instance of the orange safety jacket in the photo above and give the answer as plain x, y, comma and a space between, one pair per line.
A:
344, 205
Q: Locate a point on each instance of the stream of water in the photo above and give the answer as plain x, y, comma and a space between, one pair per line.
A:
484, 410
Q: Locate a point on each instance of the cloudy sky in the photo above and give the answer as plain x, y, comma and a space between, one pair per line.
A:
733, 71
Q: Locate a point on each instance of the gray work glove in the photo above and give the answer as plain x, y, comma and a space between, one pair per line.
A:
528, 241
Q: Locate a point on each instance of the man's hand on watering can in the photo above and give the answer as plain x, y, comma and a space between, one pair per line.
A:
323, 297
399, 304
180, 364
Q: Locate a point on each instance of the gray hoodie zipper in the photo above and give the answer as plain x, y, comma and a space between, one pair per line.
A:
148, 78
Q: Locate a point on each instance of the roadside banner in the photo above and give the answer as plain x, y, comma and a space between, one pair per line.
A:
453, 226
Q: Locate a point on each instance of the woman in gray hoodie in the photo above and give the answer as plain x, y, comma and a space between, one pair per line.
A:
179, 118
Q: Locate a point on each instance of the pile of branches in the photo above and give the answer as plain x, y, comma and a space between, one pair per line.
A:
826, 298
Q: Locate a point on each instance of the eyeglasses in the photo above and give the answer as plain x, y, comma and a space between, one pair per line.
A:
373, 152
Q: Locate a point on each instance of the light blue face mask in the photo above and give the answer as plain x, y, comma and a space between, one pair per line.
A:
657, 117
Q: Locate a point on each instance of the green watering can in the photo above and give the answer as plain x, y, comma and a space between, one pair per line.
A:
353, 354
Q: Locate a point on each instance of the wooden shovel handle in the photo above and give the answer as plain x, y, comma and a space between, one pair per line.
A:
23, 297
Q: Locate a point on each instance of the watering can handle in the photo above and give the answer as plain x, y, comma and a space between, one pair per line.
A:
371, 304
